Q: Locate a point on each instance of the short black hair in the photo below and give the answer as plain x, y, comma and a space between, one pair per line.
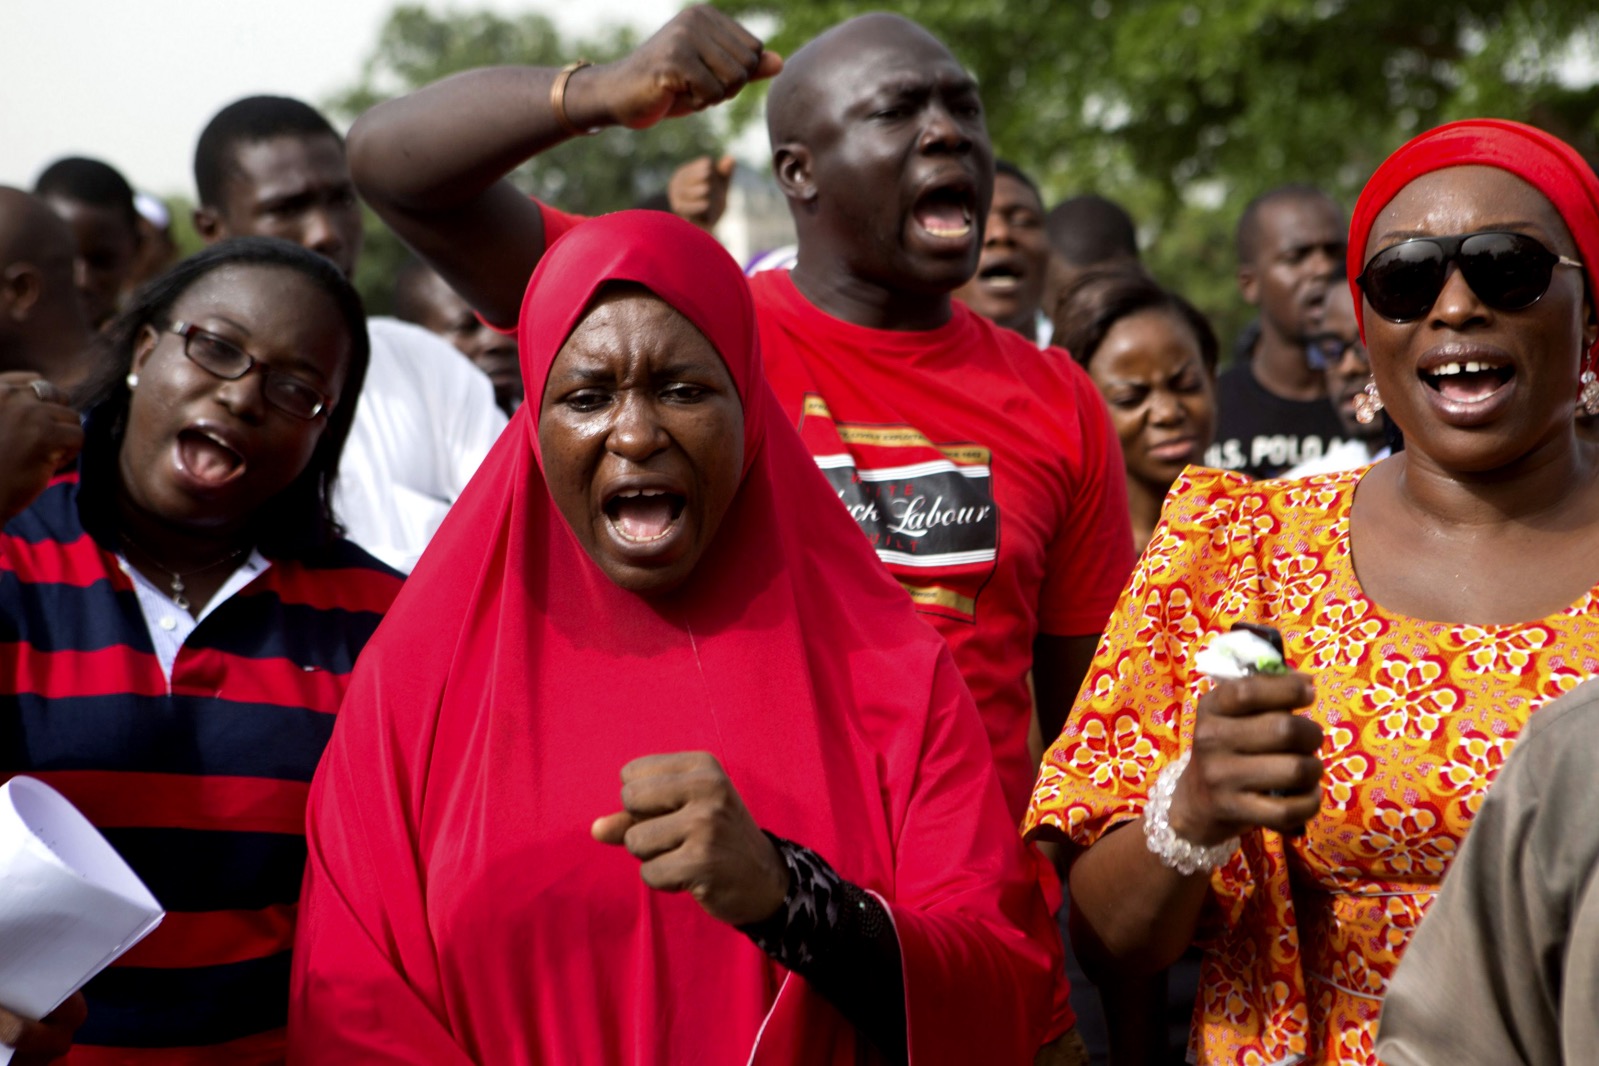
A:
89, 181
1248, 233
247, 121
299, 521
1006, 167
1088, 230
1098, 300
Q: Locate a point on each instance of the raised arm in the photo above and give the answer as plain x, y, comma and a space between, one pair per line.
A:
433, 163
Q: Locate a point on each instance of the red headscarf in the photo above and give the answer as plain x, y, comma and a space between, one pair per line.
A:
1541, 159
456, 908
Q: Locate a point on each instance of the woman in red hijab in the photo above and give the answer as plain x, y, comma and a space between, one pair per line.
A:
650, 578
1433, 602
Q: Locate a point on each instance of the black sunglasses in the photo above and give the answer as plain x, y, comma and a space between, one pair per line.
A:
1507, 271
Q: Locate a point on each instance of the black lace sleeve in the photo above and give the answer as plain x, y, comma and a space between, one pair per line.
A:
838, 937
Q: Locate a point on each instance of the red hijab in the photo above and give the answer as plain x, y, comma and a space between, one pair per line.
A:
1541, 159
456, 908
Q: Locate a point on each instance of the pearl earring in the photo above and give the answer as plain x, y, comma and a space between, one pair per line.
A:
133, 382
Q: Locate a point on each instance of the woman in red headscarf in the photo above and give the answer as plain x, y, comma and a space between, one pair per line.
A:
647, 691
1430, 603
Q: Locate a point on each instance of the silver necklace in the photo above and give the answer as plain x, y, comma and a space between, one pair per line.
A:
176, 588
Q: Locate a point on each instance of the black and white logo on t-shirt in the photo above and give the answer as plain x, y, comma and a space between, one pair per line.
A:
927, 509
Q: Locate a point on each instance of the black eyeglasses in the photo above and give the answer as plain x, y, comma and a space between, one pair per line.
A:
228, 361
1507, 271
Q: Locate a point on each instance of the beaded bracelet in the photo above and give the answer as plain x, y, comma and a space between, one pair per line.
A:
1181, 855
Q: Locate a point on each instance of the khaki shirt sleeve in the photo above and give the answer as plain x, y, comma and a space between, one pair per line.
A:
1491, 973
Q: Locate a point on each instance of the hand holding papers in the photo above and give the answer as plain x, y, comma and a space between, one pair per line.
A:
69, 905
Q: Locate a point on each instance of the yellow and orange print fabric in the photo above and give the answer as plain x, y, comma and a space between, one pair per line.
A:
1302, 935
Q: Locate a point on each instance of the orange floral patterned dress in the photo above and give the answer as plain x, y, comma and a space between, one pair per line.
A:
1302, 935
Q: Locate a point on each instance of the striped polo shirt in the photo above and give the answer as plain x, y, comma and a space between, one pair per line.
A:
199, 783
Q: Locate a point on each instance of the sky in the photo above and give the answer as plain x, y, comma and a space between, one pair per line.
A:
134, 83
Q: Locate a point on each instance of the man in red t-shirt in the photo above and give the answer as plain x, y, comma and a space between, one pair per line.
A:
973, 465
985, 473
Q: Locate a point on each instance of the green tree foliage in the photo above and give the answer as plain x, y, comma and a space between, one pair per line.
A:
184, 235
608, 172
1185, 109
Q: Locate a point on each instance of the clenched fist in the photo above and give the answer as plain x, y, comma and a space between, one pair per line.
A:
684, 821
702, 57
698, 190
1253, 761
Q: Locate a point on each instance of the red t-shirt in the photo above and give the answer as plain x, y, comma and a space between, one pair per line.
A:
986, 474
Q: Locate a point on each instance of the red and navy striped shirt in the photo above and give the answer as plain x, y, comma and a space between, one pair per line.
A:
200, 783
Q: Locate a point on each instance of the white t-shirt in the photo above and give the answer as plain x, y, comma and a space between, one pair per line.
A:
425, 420
1345, 455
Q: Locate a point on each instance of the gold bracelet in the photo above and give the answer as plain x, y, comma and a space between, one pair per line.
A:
558, 98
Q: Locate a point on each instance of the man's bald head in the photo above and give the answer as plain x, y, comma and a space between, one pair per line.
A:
32, 233
878, 142
812, 73
42, 324
37, 251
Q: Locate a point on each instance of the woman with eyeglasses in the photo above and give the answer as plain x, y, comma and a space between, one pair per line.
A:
180, 618
1297, 825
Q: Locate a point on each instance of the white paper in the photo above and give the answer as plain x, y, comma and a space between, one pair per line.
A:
69, 904
1239, 653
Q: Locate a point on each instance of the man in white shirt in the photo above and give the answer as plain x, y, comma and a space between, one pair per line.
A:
271, 166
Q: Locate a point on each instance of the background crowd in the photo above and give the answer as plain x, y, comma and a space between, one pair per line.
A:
607, 458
